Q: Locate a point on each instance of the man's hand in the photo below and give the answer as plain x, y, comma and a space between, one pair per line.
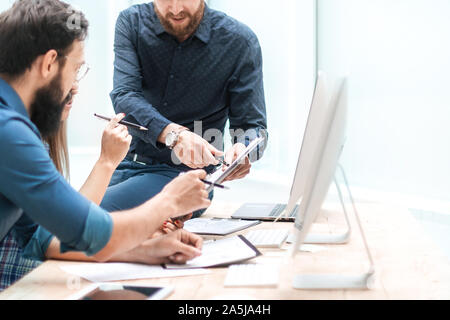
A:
243, 169
187, 193
176, 247
191, 149
195, 152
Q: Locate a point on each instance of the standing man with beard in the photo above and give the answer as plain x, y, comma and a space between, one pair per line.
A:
183, 70
41, 57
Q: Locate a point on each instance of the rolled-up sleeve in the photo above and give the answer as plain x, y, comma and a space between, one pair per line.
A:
248, 119
35, 186
92, 240
127, 96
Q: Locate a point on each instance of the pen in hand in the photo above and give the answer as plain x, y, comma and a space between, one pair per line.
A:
209, 183
125, 123
223, 162
215, 185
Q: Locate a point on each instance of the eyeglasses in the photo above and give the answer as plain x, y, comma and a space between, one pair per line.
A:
82, 70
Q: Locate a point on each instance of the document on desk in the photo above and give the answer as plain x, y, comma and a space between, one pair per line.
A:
221, 253
217, 226
105, 272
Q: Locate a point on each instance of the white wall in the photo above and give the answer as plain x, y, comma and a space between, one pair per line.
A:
5, 4
286, 35
95, 88
397, 54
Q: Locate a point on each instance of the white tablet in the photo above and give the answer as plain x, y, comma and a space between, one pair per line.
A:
218, 177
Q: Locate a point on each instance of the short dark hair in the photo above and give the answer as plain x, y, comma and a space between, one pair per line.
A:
31, 28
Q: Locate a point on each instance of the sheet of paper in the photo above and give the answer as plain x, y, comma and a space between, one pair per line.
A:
215, 253
252, 275
104, 272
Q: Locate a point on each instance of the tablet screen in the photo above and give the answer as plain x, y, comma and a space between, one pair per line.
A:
218, 177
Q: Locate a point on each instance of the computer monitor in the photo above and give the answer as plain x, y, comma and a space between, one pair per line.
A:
314, 126
322, 171
287, 212
329, 143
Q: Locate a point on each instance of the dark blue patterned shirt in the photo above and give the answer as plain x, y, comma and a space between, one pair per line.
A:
213, 76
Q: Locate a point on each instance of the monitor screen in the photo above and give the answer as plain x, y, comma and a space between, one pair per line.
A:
329, 139
319, 105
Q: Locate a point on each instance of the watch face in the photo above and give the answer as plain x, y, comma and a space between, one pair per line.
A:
170, 139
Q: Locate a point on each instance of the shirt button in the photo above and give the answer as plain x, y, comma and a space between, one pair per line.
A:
165, 104
172, 76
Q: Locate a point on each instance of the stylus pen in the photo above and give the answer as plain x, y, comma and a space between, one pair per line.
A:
125, 123
215, 185
222, 162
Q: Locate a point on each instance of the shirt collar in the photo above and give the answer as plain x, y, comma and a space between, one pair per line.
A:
11, 98
203, 31
159, 29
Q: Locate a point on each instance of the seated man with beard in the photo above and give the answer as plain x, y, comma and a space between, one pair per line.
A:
40, 60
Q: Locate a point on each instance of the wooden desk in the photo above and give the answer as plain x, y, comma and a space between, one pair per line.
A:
409, 265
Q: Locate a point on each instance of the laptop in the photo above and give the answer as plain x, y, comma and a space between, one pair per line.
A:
288, 212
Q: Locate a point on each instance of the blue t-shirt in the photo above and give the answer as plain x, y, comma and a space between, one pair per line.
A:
30, 183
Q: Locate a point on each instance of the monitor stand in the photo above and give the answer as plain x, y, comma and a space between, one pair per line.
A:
336, 281
340, 238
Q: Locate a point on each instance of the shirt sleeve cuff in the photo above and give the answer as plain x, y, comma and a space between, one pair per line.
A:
155, 128
96, 235
38, 245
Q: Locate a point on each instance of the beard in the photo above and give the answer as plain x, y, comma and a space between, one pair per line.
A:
47, 107
181, 32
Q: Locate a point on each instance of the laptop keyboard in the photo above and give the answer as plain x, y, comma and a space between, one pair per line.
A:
279, 209
267, 238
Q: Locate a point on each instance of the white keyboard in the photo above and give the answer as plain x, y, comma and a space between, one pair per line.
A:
268, 238
252, 275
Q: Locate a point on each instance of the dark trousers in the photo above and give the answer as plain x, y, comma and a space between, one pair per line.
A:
133, 184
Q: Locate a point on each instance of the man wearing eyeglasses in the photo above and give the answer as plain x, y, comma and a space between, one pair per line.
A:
40, 60
183, 70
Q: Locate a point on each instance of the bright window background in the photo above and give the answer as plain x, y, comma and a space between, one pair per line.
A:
288, 46
397, 55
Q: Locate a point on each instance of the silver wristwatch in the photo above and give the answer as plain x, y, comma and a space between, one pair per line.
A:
173, 137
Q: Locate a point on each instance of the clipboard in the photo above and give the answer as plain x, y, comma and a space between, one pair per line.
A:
218, 178
219, 253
